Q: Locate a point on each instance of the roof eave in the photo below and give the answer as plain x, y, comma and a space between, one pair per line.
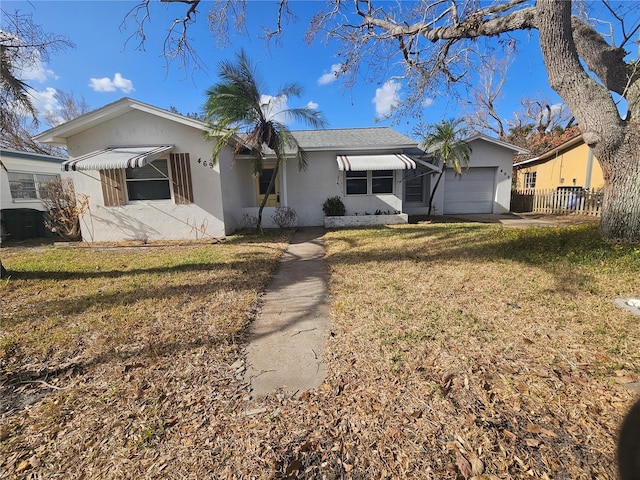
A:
59, 134
479, 136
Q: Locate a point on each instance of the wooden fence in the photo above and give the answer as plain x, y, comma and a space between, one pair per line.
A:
557, 202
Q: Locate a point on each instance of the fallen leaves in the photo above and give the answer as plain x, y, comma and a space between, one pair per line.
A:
432, 383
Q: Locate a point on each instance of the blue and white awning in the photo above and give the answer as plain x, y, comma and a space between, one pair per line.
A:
117, 157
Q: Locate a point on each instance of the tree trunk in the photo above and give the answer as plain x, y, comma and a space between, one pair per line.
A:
272, 182
620, 219
3, 271
615, 142
433, 192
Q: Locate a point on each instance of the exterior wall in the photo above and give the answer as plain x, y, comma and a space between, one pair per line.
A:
23, 218
24, 163
566, 169
307, 190
237, 189
486, 154
483, 154
151, 220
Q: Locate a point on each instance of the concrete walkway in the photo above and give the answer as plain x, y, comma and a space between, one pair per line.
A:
287, 341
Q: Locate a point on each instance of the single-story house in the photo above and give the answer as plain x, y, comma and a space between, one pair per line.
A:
571, 164
22, 177
149, 176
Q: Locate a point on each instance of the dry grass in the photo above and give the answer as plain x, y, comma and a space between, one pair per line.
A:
455, 351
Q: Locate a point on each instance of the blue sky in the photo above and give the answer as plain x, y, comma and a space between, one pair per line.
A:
104, 67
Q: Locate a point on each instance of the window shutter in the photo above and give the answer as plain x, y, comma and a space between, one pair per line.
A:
113, 184
181, 175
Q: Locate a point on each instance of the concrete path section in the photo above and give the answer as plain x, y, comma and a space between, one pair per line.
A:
287, 340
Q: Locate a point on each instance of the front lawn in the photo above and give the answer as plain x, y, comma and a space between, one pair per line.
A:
455, 350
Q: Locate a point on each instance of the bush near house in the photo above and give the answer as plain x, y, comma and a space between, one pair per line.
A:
455, 350
333, 207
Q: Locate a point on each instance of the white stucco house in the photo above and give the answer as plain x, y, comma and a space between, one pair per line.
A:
148, 175
22, 177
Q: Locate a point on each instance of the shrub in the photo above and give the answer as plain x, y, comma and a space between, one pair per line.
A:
333, 207
285, 217
248, 221
64, 208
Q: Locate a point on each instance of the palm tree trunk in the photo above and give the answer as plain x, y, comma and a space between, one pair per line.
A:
272, 182
3, 271
433, 192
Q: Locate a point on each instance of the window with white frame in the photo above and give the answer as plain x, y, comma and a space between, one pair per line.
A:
371, 182
28, 186
150, 182
530, 180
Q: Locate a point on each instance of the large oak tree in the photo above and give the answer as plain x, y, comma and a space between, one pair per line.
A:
437, 40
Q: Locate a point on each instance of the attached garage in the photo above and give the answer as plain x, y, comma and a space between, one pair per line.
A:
473, 192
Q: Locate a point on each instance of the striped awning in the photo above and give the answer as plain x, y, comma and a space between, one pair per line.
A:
117, 157
390, 161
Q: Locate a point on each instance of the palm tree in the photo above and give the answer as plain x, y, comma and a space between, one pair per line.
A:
236, 106
444, 142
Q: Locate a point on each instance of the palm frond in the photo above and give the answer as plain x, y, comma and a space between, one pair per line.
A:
310, 116
15, 90
222, 139
444, 140
233, 107
290, 90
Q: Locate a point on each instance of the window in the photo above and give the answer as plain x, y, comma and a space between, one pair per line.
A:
356, 183
382, 181
28, 186
264, 180
414, 186
369, 182
150, 182
530, 180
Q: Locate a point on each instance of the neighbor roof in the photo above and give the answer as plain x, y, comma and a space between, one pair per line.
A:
8, 153
575, 140
58, 135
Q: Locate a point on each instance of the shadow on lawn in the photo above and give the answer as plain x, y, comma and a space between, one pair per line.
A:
97, 272
79, 370
128, 297
555, 249
541, 246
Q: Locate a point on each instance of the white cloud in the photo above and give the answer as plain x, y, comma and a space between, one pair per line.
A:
427, 102
312, 105
274, 108
46, 104
557, 108
106, 84
34, 69
387, 98
332, 76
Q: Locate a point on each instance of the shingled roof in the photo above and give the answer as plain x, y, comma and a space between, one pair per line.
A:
352, 138
544, 144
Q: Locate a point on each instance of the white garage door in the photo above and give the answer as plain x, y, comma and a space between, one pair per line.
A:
473, 192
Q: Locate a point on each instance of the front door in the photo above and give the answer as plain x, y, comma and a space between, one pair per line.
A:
262, 183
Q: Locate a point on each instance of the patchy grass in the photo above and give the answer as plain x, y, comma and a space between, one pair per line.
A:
495, 348
455, 350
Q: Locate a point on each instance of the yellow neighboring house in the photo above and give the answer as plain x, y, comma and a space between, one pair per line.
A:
570, 164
